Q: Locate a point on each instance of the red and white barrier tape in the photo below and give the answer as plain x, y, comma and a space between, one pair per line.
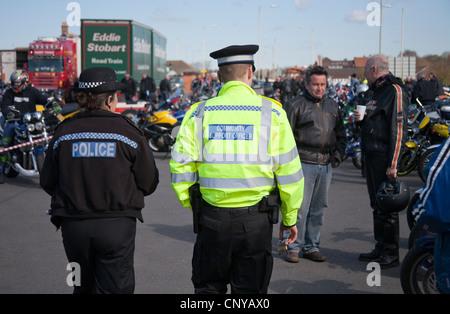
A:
3, 150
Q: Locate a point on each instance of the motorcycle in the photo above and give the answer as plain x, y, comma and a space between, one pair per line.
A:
26, 154
353, 150
177, 104
54, 114
160, 128
417, 270
353, 146
425, 129
442, 129
417, 274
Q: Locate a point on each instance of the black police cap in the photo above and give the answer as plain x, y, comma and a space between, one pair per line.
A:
98, 80
235, 54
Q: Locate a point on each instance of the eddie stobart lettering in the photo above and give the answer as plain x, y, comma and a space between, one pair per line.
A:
108, 46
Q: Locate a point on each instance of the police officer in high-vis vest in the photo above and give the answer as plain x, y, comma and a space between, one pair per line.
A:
239, 149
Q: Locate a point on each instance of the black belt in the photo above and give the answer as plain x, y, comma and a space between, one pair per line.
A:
231, 210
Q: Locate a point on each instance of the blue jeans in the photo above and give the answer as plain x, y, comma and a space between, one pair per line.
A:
315, 201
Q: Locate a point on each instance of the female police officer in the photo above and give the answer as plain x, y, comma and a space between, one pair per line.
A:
98, 169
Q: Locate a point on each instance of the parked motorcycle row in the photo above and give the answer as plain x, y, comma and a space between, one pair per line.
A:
161, 121
427, 129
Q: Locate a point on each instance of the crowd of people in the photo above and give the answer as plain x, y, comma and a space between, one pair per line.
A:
146, 89
425, 88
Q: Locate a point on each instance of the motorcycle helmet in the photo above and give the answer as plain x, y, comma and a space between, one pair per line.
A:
393, 196
21, 77
362, 88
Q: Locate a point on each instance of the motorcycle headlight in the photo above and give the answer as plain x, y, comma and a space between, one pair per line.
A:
415, 130
39, 126
30, 127
27, 117
37, 115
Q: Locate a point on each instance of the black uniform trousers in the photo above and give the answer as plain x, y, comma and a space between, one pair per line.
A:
104, 249
234, 246
385, 223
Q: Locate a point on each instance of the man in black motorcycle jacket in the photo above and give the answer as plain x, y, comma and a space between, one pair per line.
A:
320, 136
384, 131
318, 129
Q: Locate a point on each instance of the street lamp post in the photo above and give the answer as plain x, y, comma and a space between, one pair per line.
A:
381, 18
403, 28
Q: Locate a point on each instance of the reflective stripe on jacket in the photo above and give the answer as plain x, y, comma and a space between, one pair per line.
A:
235, 145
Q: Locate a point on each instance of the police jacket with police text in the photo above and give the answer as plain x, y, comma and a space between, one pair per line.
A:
25, 101
98, 165
384, 128
318, 128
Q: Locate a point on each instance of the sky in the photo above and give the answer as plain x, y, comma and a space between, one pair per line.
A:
194, 28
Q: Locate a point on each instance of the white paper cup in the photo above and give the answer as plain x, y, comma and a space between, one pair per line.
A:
362, 110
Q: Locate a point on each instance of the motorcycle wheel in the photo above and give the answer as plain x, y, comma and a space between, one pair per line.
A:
417, 272
153, 145
423, 161
357, 160
403, 169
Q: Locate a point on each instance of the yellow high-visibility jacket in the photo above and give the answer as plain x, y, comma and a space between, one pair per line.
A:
235, 145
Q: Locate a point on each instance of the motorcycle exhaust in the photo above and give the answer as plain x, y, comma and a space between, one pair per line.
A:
28, 173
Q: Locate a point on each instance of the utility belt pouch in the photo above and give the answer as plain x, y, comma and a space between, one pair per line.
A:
270, 204
195, 198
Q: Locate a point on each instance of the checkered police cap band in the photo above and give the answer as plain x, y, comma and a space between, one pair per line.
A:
87, 85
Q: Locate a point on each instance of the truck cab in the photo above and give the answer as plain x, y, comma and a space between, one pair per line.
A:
52, 66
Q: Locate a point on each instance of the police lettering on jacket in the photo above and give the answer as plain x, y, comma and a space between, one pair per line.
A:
94, 149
